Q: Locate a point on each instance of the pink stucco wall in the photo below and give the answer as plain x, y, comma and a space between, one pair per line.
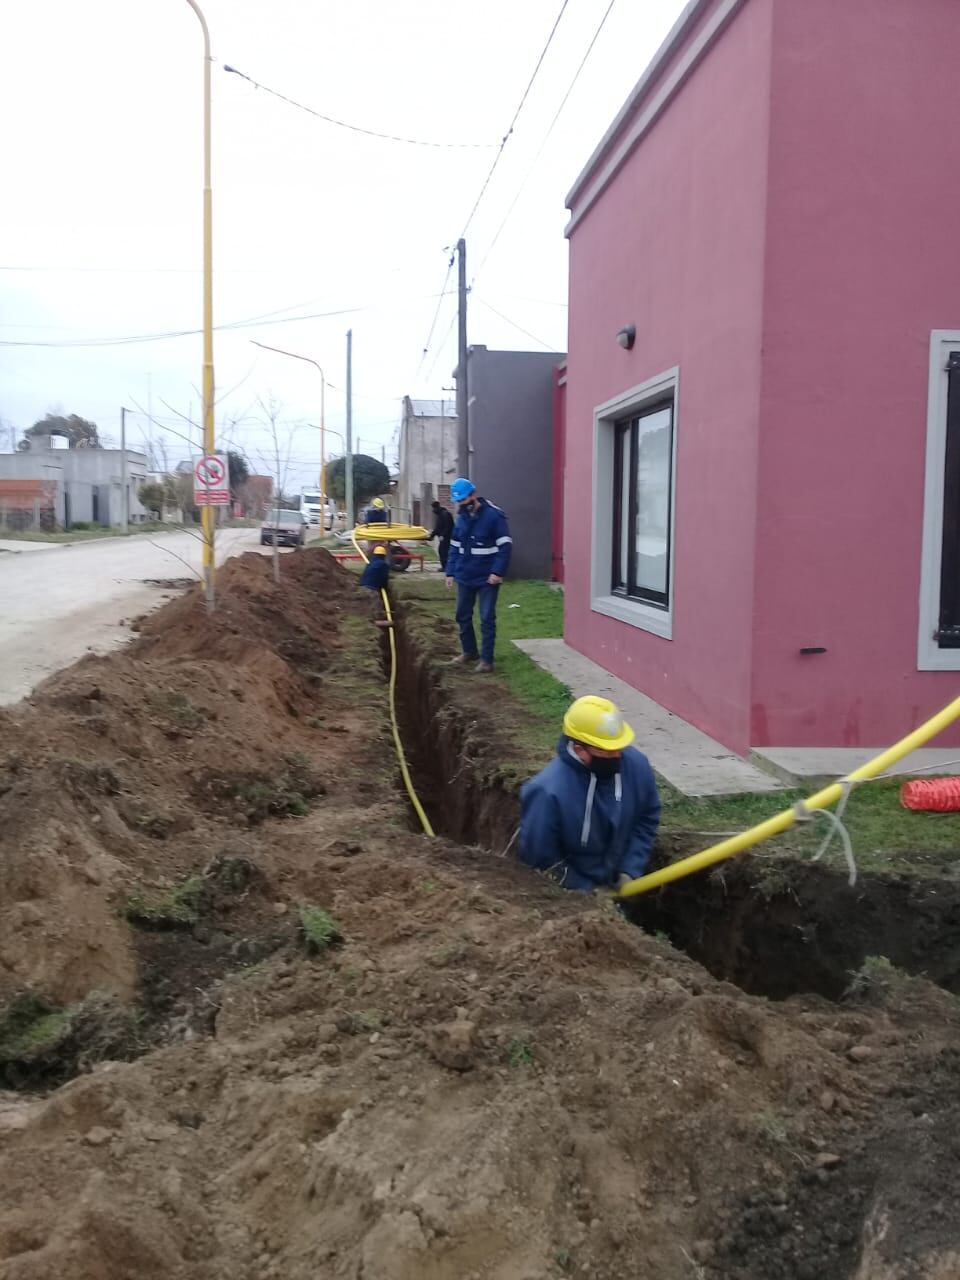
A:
786, 235
675, 246
862, 262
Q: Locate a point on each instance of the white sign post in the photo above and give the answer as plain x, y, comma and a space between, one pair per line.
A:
211, 481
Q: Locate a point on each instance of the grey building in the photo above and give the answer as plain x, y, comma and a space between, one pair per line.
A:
88, 482
510, 420
428, 457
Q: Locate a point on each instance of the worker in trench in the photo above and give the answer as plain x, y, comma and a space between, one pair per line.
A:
375, 576
589, 819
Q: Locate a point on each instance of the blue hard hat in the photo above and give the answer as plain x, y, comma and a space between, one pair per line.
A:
461, 489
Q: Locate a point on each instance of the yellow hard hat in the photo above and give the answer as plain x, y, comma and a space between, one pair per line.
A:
379, 551
597, 722
378, 503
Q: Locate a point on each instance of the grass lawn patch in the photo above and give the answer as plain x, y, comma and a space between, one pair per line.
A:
528, 705
528, 719
85, 535
885, 836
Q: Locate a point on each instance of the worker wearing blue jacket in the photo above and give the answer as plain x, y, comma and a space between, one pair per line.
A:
590, 817
478, 561
376, 575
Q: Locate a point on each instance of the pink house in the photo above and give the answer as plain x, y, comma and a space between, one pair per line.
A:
763, 385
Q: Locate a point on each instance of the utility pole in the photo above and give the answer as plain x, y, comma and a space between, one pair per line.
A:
348, 460
124, 480
209, 444
463, 435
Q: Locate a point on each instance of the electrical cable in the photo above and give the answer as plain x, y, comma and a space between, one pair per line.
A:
506, 137
355, 128
519, 327
136, 339
398, 742
546, 138
486, 182
436, 313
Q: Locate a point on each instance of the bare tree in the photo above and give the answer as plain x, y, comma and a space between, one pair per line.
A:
279, 466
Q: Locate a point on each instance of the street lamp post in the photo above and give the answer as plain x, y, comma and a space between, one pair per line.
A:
209, 444
323, 410
124, 479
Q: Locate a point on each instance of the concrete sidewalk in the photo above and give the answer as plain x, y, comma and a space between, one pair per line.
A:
15, 546
811, 767
691, 761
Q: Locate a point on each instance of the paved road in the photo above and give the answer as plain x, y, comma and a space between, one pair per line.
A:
69, 599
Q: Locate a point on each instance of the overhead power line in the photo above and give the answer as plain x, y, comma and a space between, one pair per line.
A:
516, 115
546, 138
252, 322
436, 313
519, 327
486, 182
355, 128
134, 338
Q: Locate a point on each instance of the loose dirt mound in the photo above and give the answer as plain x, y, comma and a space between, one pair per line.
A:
470, 1076
138, 768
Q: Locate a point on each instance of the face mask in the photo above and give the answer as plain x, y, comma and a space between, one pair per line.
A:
468, 508
605, 766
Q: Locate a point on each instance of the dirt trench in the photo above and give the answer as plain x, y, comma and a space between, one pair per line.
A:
452, 760
773, 927
477, 1076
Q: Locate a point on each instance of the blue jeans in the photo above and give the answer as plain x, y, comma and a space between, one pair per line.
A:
466, 598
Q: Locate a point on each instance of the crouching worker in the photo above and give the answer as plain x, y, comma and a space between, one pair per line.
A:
376, 575
590, 817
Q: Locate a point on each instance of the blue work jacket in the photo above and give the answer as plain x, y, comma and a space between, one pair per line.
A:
376, 573
586, 830
480, 545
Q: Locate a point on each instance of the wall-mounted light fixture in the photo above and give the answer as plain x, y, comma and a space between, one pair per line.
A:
627, 336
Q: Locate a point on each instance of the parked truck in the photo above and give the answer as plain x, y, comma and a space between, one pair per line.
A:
313, 507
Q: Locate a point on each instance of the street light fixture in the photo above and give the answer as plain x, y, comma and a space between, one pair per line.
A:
323, 409
209, 444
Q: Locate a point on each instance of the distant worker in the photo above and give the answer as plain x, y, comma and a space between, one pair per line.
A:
442, 529
376, 513
478, 560
376, 575
589, 819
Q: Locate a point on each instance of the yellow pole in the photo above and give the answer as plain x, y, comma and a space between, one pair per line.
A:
209, 444
784, 820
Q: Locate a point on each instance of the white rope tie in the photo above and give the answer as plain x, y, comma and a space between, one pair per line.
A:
835, 821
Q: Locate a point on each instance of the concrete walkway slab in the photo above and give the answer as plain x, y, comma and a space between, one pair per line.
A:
691, 761
809, 766
15, 546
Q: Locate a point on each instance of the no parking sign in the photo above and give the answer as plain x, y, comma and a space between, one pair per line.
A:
211, 481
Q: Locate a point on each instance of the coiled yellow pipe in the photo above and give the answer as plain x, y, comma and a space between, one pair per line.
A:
398, 743
784, 820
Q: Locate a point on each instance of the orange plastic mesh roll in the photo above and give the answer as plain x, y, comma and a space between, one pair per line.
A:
932, 795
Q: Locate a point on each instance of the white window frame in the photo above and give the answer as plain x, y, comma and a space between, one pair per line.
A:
636, 613
930, 657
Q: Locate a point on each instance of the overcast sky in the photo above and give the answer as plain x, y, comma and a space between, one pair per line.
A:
101, 231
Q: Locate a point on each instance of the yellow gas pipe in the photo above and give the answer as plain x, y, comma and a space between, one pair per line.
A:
411, 532
784, 820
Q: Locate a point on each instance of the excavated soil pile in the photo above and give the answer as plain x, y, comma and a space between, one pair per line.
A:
459, 1073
